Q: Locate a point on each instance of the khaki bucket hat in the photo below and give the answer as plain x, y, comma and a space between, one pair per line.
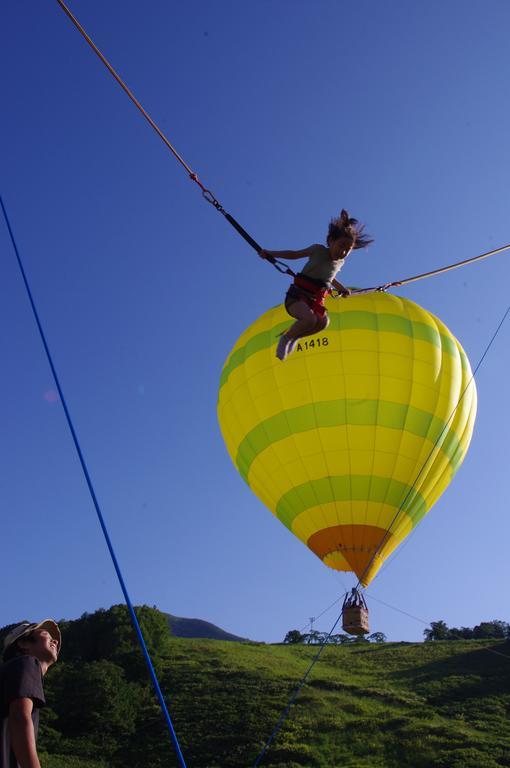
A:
26, 627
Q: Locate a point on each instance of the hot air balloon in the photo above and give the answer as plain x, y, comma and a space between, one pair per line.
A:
353, 438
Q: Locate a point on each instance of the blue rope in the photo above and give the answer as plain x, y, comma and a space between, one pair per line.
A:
129, 604
294, 696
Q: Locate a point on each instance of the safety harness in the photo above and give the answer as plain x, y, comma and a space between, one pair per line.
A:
311, 291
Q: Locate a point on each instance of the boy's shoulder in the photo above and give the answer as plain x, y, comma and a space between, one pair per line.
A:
19, 665
21, 677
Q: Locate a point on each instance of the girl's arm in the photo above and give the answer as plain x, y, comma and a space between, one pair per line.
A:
303, 254
342, 289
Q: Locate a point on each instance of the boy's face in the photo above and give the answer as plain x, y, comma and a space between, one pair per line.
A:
43, 646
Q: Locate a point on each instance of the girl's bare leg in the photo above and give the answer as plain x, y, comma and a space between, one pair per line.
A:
307, 320
322, 323
307, 323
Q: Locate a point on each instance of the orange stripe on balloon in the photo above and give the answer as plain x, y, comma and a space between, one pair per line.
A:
358, 544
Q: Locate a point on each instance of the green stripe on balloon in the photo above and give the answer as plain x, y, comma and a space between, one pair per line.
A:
351, 321
388, 323
383, 490
256, 344
338, 413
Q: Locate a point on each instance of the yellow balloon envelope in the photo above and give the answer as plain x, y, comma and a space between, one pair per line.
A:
352, 438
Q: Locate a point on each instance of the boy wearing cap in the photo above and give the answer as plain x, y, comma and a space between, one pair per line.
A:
29, 651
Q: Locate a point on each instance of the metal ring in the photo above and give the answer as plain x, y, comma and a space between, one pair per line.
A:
208, 195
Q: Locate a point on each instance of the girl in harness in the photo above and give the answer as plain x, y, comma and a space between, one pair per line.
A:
305, 298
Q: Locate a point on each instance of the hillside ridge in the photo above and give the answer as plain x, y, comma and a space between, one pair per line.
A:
199, 628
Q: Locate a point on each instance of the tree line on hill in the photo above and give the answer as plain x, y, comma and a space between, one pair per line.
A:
438, 630
486, 630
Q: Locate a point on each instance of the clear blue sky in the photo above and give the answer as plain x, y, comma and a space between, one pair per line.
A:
288, 111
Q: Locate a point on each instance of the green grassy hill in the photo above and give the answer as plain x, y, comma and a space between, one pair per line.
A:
423, 706
390, 705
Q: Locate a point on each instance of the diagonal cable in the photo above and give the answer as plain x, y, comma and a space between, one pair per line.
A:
412, 487
316, 618
294, 696
429, 623
92, 492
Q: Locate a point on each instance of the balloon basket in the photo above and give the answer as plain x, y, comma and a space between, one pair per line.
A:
355, 614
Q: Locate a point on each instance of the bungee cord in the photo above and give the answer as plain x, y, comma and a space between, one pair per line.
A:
210, 197
206, 193
439, 271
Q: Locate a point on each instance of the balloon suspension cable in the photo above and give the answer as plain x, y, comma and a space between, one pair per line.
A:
387, 534
294, 696
95, 501
316, 618
429, 624
206, 193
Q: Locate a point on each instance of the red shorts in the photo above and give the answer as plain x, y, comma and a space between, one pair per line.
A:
312, 294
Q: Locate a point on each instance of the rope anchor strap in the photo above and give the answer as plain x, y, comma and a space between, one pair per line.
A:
441, 270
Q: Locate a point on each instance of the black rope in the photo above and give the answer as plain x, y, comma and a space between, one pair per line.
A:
210, 197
